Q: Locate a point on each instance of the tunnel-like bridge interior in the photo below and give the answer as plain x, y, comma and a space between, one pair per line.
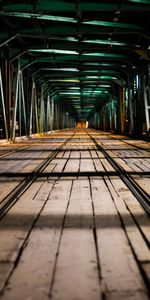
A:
64, 61
74, 200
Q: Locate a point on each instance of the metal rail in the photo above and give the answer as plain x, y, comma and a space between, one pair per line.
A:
128, 143
13, 151
136, 190
134, 146
14, 195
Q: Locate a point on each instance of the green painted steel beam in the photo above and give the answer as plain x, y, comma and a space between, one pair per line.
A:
140, 1
60, 69
42, 5
100, 72
58, 58
38, 16
55, 51
64, 80
102, 64
103, 54
99, 77
110, 42
78, 79
70, 6
113, 24
74, 69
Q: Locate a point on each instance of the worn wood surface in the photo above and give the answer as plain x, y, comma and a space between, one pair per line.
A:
72, 237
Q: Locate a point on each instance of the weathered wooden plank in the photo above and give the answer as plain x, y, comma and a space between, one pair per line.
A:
75, 154
107, 165
45, 154
34, 273
24, 161
93, 153
45, 190
135, 237
66, 154
85, 154
146, 269
31, 279
87, 165
133, 166
80, 207
7, 185
144, 183
76, 272
123, 164
29, 168
98, 165
17, 223
60, 154
72, 165
112, 153
60, 163
139, 164
51, 166
119, 270
100, 154
70, 250
144, 165
5, 270
134, 206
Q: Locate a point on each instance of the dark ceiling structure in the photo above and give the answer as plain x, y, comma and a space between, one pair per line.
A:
80, 51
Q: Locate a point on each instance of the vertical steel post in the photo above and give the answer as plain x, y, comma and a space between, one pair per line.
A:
122, 109
63, 119
6, 88
56, 115
130, 110
110, 113
36, 111
52, 110
48, 112
16, 103
31, 105
20, 105
41, 111
3, 104
147, 106
23, 103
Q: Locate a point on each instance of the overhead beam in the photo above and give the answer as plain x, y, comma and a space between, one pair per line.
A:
65, 6
113, 24
9, 40
143, 53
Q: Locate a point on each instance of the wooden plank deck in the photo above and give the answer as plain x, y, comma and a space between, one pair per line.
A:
76, 237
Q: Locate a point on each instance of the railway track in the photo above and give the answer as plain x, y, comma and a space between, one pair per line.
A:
137, 191
13, 151
137, 147
17, 192
131, 144
77, 205
28, 178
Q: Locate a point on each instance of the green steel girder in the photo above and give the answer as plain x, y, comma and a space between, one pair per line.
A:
139, 1
70, 20
112, 24
70, 6
71, 47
